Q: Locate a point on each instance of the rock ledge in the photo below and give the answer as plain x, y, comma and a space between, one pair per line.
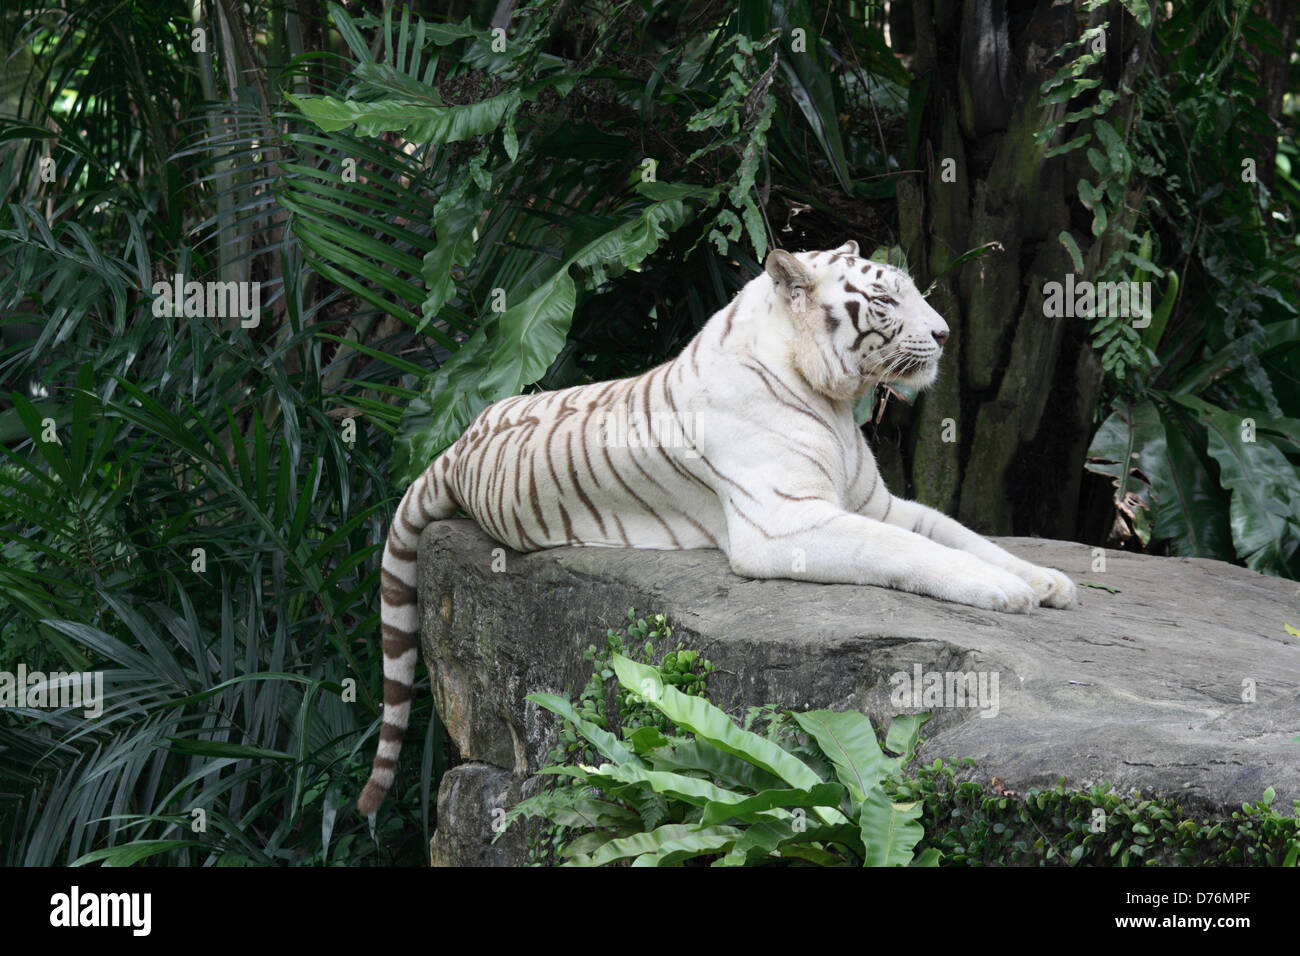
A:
1184, 683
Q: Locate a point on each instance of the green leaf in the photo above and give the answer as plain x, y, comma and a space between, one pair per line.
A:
1116, 151
1147, 453
1141, 11
982, 251
889, 830
351, 35
700, 755
573, 807
812, 90
131, 853
902, 736
1099, 586
749, 808
863, 408
513, 349
849, 742
222, 748
509, 351
629, 244
416, 120
646, 739
693, 790
1190, 508
1277, 335
589, 843
674, 838
698, 716
1072, 247
1265, 510
1152, 334
606, 744
1068, 146
455, 248
1100, 220
1129, 433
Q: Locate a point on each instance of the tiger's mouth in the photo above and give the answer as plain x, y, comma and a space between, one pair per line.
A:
905, 370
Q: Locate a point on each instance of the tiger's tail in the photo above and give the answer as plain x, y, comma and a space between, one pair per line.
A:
428, 499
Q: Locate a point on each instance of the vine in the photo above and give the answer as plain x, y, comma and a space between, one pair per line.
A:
1123, 347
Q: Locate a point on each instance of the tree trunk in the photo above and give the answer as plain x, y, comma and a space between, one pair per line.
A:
1019, 387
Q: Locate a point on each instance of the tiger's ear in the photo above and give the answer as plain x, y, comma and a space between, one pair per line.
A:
850, 247
788, 273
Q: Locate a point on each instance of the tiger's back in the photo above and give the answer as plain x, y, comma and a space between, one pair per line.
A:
560, 468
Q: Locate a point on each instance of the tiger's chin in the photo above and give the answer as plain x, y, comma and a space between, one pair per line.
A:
917, 375
923, 377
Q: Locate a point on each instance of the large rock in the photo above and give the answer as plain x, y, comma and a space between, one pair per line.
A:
1184, 683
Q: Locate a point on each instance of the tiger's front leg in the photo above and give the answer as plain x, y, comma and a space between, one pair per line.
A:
815, 540
1051, 587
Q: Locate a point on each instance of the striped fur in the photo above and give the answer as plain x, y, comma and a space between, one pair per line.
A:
744, 442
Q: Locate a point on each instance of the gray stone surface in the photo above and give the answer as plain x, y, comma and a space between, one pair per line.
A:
1146, 688
470, 804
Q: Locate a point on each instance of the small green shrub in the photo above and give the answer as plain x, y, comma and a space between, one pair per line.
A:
686, 670
683, 782
972, 825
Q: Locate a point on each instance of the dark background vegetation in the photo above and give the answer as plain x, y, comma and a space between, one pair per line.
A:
1124, 141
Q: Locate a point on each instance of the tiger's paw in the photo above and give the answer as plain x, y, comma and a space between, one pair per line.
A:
1051, 588
991, 588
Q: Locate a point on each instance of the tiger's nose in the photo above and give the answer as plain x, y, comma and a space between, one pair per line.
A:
940, 337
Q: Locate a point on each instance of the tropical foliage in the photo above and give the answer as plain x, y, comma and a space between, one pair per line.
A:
677, 803
186, 510
1204, 427
705, 787
437, 213
974, 824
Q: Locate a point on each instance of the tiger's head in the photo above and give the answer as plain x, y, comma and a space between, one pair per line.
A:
857, 323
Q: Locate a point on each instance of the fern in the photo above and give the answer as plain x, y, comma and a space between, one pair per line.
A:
744, 111
1117, 341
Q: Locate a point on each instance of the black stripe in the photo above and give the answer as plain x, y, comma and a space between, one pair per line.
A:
639, 500
744, 491
577, 486
621, 533
798, 404
726, 329
532, 495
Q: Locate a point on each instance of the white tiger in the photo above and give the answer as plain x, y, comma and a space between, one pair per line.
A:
763, 461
